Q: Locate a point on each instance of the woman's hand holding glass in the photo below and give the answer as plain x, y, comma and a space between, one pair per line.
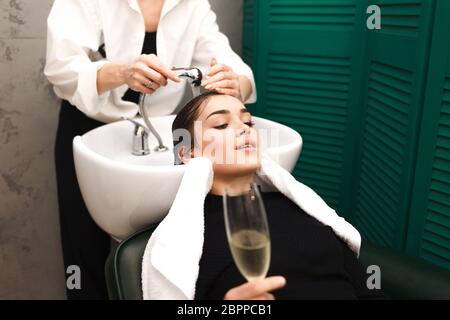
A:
256, 290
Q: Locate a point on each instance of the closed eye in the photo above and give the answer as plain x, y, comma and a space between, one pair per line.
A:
225, 125
222, 126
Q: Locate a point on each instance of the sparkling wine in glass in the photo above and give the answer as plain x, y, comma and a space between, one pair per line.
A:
247, 231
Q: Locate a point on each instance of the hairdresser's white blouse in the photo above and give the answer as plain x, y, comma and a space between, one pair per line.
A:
188, 35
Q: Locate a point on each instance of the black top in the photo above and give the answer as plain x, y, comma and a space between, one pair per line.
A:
149, 47
315, 262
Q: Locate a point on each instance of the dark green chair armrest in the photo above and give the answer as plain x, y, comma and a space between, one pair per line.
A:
405, 277
123, 267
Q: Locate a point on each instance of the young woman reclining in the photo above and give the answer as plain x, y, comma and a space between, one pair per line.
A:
308, 260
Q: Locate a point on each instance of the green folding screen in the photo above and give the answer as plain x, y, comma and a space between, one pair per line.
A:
429, 224
395, 77
357, 98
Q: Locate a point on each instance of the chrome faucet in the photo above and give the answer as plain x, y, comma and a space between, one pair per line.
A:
140, 138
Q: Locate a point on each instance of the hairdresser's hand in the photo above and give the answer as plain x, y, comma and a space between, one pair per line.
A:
256, 290
223, 80
147, 74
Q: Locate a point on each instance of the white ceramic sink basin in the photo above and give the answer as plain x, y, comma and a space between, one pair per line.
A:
125, 193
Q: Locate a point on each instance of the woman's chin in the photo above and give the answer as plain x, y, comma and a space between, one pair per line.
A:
239, 169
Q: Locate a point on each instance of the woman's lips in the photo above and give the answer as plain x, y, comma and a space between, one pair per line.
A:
248, 144
246, 148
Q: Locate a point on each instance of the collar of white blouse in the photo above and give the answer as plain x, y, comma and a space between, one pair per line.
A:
168, 5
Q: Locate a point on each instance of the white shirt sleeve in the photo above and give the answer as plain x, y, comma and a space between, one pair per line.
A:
73, 31
212, 43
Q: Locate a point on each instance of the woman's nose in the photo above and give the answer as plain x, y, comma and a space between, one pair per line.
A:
244, 129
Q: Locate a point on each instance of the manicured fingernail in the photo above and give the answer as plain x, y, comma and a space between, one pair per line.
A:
281, 280
208, 87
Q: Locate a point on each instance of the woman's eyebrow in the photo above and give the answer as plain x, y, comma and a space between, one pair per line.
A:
243, 110
218, 112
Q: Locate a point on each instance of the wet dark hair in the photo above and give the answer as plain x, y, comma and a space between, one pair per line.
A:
185, 120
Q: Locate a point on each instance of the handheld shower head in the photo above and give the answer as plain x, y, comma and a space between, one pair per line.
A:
194, 75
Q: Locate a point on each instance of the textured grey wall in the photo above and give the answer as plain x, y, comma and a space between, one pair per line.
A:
30, 252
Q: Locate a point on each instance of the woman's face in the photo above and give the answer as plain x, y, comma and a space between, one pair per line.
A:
226, 135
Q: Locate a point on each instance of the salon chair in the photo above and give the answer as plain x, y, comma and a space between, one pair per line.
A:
402, 277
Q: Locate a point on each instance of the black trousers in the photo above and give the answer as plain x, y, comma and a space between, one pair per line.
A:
84, 244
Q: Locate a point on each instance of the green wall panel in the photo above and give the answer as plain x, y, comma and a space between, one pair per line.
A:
396, 69
429, 227
249, 31
372, 106
307, 77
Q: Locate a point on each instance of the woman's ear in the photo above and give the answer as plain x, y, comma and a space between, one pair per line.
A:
185, 155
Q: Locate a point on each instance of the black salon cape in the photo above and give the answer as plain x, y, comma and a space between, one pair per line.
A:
315, 262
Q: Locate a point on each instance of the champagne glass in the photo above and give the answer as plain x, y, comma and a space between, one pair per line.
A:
247, 231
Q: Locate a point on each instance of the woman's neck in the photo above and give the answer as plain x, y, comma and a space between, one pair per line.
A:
151, 11
233, 184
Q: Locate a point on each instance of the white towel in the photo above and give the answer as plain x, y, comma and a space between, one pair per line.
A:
171, 258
